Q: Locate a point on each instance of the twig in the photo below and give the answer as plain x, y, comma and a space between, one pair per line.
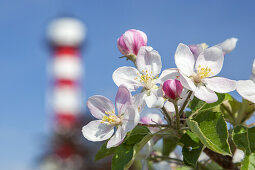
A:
153, 125
185, 103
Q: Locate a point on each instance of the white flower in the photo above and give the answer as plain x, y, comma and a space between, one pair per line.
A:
103, 109
197, 74
246, 88
149, 66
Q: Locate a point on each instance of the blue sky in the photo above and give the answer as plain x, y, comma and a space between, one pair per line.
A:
24, 121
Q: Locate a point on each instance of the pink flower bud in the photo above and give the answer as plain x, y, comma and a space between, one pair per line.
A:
131, 41
172, 88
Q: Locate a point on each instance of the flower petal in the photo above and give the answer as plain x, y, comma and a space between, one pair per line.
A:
117, 138
211, 58
184, 59
139, 101
205, 94
155, 99
187, 82
98, 105
122, 98
131, 118
228, 45
148, 60
220, 84
246, 88
171, 73
127, 76
97, 131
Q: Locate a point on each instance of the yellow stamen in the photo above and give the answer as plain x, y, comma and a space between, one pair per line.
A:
111, 118
204, 72
204, 45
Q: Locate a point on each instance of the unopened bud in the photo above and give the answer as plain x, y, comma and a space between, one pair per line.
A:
131, 41
172, 89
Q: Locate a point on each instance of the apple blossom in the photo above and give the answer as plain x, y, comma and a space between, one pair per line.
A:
172, 89
149, 66
103, 109
246, 88
131, 41
200, 79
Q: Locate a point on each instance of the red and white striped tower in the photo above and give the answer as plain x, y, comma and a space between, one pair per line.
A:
66, 37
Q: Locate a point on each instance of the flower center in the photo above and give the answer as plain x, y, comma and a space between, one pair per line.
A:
202, 73
146, 79
111, 118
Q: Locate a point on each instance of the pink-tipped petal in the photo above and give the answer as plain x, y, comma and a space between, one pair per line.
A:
196, 49
172, 88
98, 105
131, 41
123, 98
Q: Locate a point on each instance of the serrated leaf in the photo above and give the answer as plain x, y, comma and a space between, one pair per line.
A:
244, 138
197, 105
212, 131
248, 162
123, 155
169, 144
192, 148
104, 152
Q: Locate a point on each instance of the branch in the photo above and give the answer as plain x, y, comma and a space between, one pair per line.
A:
152, 125
223, 161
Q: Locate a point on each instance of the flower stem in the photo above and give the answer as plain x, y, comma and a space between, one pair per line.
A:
152, 125
168, 119
185, 103
177, 115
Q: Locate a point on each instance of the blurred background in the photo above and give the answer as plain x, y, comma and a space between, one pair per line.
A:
29, 128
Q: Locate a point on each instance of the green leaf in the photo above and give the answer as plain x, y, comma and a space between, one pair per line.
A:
244, 138
141, 144
191, 149
136, 135
212, 131
123, 155
169, 144
246, 110
132, 138
229, 107
104, 152
197, 105
248, 162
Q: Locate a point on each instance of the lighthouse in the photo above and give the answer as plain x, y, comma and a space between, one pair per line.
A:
66, 37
